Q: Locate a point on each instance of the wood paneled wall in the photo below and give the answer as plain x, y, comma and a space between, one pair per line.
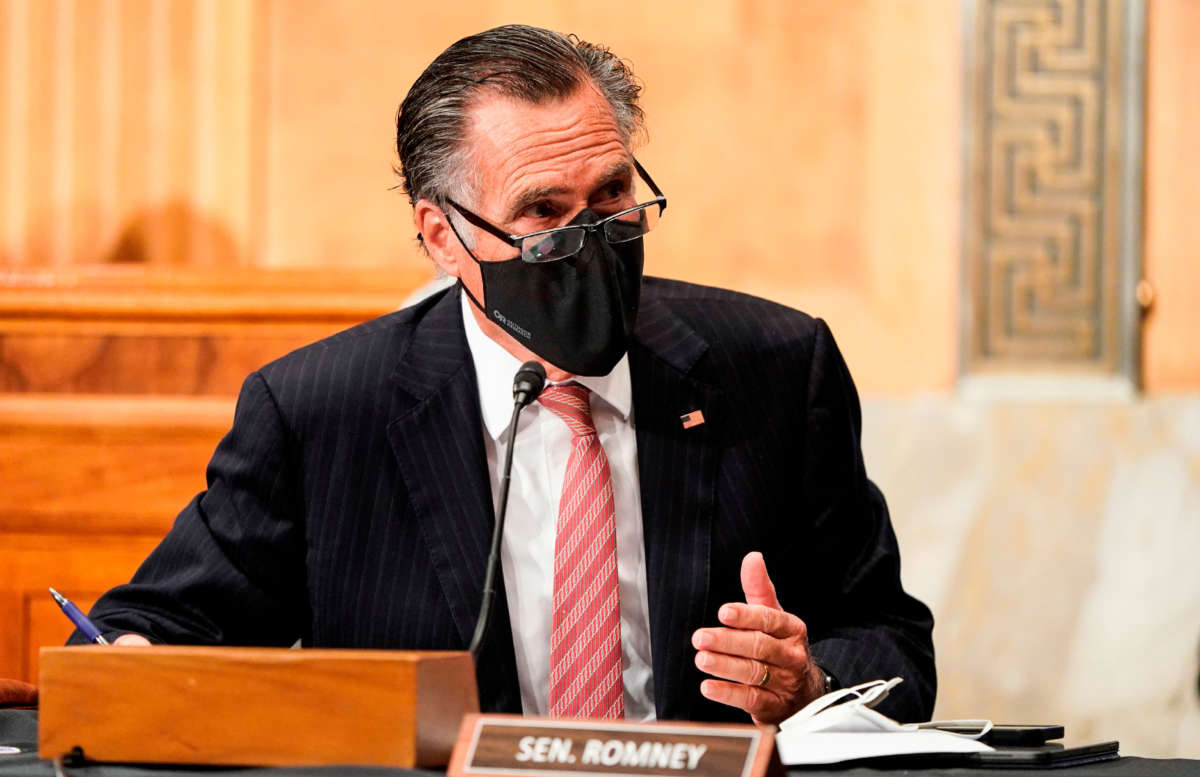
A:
131, 131
115, 385
182, 332
87, 488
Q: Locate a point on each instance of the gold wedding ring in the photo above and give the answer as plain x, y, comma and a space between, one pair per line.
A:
766, 676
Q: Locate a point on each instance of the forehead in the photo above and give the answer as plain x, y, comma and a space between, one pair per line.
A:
564, 144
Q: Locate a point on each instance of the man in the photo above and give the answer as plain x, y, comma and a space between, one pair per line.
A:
686, 430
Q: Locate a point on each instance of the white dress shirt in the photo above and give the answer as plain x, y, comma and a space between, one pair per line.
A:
527, 549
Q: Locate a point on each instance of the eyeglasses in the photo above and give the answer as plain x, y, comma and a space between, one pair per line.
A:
552, 245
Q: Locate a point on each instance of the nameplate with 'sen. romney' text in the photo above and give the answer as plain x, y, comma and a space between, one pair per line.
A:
516, 745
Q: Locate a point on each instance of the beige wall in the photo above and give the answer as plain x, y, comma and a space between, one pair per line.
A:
1055, 544
126, 117
1172, 335
808, 151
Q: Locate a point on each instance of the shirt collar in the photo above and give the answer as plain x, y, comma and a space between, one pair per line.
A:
495, 367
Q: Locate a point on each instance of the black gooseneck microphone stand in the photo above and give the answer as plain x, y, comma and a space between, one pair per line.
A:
527, 384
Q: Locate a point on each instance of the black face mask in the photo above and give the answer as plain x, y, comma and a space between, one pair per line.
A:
577, 313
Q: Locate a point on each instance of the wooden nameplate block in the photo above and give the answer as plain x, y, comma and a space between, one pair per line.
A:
513, 745
254, 706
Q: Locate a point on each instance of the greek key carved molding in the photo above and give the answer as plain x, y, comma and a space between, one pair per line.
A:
1053, 162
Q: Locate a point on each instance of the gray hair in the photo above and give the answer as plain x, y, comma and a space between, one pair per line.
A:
526, 63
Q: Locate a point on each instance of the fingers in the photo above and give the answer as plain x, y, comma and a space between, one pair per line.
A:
747, 671
756, 583
754, 645
757, 617
764, 706
741, 656
756, 635
131, 640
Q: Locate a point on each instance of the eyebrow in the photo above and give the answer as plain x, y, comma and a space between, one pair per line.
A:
528, 197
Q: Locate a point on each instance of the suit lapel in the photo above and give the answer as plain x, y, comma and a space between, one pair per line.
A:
436, 435
677, 470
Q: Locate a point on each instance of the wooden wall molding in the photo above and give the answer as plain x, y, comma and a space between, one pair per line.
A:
145, 331
151, 295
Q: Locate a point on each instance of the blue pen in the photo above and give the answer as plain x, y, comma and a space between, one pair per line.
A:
78, 618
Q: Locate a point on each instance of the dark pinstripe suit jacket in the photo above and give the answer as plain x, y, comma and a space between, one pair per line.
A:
349, 505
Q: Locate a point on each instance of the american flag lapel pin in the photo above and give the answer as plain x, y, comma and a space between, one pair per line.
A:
694, 418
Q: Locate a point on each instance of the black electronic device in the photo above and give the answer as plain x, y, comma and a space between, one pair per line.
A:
1010, 734
1048, 756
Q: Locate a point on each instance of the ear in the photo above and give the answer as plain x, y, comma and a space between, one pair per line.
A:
440, 241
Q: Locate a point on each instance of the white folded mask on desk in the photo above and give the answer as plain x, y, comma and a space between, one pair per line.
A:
843, 726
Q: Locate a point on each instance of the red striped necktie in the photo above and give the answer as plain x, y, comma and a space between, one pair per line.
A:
585, 638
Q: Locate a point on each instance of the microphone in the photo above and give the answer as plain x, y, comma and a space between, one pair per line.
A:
527, 384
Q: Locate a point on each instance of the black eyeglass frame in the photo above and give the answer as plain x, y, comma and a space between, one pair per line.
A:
516, 240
